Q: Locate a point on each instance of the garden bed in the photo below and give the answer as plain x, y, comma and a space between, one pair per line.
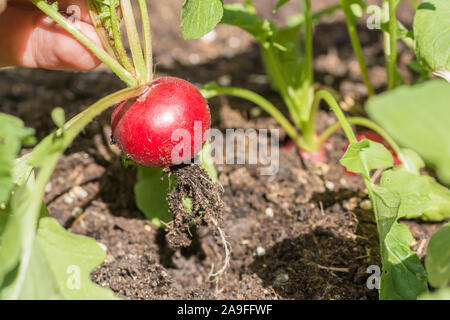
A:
302, 234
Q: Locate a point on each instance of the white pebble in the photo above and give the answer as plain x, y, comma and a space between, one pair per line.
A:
224, 80
48, 187
260, 79
269, 212
260, 251
366, 205
194, 58
79, 192
68, 199
283, 277
329, 185
234, 42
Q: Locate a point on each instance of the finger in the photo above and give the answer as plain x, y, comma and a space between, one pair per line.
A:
37, 42
2, 5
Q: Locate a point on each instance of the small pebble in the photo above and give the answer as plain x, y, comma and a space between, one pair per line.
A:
76, 212
224, 80
194, 58
269, 212
229, 54
148, 228
234, 42
255, 112
48, 187
260, 251
68, 199
366, 204
260, 79
79, 192
329, 185
283, 277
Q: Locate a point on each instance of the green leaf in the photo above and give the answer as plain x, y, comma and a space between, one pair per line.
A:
437, 260
187, 204
207, 162
432, 34
12, 134
441, 294
58, 117
291, 60
198, 17
60, 266
151, 191
153, 185
103, 10
403, 276
386, 206
401, 31
236, 15
279, 4
439, 208
365, 155
413, 191
411, 161
418, 118
71, 259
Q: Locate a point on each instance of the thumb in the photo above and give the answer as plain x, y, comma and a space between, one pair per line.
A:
2, 5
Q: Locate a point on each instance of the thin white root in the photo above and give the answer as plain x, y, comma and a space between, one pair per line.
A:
227, 248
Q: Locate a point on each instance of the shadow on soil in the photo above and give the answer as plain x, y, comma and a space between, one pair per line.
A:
311, 267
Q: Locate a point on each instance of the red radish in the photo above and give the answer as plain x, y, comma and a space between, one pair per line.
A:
164, 126
318, 156
372, 135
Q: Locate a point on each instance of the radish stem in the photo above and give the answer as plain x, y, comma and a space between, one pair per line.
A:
133, 39
147, 32
101, 31
117, 36
392, 53
356, 45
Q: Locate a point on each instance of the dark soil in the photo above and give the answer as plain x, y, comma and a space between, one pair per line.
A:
301, 234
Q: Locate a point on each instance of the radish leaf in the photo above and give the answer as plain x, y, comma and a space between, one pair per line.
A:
437, 260
198, 17
418, 118
375, 154
12, 135
59, 267
403, 276
413, 190
432, 34
150, 191
279, 4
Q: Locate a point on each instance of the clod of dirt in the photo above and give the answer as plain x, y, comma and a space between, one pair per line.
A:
196, 200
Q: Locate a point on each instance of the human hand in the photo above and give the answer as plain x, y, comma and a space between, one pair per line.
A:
30, 39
